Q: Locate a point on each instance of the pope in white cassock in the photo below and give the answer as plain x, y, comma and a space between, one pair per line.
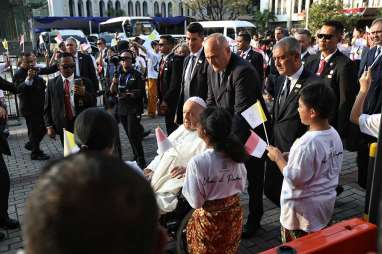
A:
167, 170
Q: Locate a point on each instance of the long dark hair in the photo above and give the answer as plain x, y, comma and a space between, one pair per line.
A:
217, 123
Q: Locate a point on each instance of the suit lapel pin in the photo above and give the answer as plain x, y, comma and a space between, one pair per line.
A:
298, 86
331, 64
329, 76
199, 61
331, 71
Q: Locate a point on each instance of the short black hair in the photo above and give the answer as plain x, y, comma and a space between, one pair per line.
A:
64, 55
246, 36
102, 40
196, 27
336, 24
320, 97
26, 54
83, 199
304, 32
154, 43
170, 40
122, 45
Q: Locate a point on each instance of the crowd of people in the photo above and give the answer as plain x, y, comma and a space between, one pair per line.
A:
321, 94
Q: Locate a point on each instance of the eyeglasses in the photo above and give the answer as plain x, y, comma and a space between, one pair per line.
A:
126, 59
68, 66
325, 36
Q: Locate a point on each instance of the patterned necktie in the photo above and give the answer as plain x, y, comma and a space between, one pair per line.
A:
191, 68
68, 107
321, 67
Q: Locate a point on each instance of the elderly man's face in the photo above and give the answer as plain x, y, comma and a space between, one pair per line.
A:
286, 63
71, 47
217, 56
191, 113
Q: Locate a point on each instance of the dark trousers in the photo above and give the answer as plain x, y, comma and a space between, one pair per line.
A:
273, 182
362, 164
4, 189
255, 176
133, 129
36, 131
169, 120
69, 126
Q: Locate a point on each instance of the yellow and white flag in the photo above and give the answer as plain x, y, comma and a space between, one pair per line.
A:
254, 115
70, 146
5, 44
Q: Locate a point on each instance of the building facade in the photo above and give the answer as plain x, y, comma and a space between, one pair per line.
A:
164, 8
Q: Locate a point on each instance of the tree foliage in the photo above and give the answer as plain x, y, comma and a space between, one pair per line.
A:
326, 10
218, 9
263, 18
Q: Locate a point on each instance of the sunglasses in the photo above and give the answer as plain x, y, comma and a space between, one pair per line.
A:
126, 58
325, 36
99, 43
68, 66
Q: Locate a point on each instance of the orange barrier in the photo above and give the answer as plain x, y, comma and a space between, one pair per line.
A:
350, 236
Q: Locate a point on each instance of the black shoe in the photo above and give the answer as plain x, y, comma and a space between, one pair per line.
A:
249, 230
40, 157
28, 146
339, 189
2, 236
9, 224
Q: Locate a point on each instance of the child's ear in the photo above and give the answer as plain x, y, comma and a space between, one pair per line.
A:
313, 113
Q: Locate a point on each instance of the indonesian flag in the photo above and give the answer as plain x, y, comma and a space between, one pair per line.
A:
163, 143
58, 38
255, 146
70, 146
22, 39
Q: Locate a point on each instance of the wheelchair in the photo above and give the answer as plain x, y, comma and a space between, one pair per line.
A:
175, 223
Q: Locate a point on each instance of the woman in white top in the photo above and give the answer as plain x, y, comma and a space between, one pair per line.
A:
311, 172
212, 185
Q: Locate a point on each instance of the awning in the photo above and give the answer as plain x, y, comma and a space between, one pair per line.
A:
48, 23
171, 20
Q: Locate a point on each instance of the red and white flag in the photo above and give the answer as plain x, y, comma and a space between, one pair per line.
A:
22, 39
163, 142
255, 146
58, 38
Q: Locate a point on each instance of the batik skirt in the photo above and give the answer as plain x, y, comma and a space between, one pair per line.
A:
216, 227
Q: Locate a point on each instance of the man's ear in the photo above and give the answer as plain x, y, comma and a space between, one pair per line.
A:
160, 244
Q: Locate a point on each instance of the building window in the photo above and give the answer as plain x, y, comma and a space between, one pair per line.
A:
279, 7
130, 8
181, 9
137, 9
193, 12
169, 9
117, 5
109, 7
156, 9
89, 9
144, 7
187, 11
101, 8
80, 8
71, 8
163, 9
295, 9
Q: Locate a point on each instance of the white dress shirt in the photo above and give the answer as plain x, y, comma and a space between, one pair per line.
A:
369, 124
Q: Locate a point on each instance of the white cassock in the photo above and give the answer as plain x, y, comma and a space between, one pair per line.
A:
186, 144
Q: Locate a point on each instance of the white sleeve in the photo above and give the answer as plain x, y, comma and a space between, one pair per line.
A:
2, 67
192, 188
154, 163
300, 167
369, 124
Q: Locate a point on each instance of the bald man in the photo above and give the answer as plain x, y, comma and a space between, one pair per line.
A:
167, 169
234, 84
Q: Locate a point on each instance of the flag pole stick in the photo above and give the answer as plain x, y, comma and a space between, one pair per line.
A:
266, 134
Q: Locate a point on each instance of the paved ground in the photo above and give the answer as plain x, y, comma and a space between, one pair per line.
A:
24, 173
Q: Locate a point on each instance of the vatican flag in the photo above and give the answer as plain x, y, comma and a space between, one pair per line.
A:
70, 146
5, 44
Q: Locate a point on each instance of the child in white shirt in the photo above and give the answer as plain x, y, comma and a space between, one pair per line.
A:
311, 172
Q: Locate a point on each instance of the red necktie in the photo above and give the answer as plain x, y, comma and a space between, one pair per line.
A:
68, 106
321, 67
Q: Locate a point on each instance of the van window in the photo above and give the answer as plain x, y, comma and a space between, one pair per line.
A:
231, 33
211, 30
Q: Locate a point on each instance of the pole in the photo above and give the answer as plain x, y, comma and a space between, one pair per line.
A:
307, 6
290, 14
90, 27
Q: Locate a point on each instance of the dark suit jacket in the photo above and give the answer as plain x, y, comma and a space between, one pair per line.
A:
257, 60
340, 74
305, 58
87, 69
54, 111
240, 88
170, 81
198, 84
4, 146
31, 97
287, 126
373, 101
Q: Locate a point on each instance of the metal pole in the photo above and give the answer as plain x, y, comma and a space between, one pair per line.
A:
290, 14
90, 27
307, 6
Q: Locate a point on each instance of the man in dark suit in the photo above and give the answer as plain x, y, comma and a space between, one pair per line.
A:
32, 96
66, 96
5, 221
371, 59
338, 72
234, 85
304, 38
286, 123
246, 52
84, 66
194, 77
169, 80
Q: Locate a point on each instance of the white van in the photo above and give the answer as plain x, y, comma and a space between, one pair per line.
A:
230, 28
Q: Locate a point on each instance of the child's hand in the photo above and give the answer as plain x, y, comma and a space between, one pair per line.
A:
274, 153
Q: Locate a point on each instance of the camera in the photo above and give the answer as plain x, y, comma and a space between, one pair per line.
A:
115, 60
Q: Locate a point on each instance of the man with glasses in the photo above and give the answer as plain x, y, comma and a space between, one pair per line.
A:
169, 81
338, 71
129, 88
66, 96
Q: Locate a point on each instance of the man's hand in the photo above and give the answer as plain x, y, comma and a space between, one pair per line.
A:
365, 81
178, 172
79, 90
31, 74
148, 173
3, 113
51, 133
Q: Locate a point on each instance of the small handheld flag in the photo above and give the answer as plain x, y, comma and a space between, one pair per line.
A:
70, 146
255, 146
254, 115
163, 143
